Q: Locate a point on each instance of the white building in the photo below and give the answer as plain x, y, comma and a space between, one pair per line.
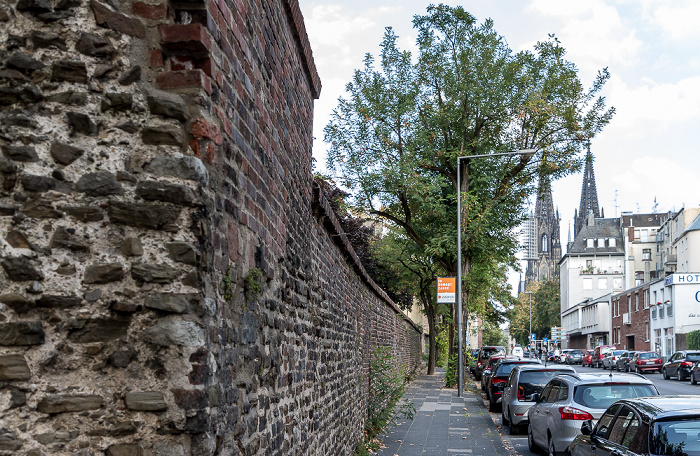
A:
587, 324
675, 311
639, 237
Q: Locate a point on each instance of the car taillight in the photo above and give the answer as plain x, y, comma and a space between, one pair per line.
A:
521, 393
686, 363
497, 381
570, 413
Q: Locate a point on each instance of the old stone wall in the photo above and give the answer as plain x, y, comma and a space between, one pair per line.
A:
171, 282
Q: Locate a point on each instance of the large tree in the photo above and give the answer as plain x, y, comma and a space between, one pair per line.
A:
395, 139
545, 311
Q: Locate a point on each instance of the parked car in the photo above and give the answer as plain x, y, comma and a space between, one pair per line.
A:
599, 353
586, 360
662, 425
610, 359
562, 356
485, 353
486, 374
574, 356
517, 351
680, 364
645, 361
568, 399
623, 361
524, 381
499, 377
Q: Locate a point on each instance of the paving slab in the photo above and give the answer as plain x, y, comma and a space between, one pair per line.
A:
444, 424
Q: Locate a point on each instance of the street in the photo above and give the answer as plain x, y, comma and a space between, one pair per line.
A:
665, 387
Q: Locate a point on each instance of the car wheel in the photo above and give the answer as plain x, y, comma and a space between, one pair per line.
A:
531, 445
666, 377
692, 379
550, 448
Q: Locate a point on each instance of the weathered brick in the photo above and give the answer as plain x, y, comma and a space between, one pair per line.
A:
184, 80
149, 11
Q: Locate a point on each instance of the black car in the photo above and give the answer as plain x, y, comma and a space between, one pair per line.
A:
623, 361
660, 425
680, 364
499, 376
485, 353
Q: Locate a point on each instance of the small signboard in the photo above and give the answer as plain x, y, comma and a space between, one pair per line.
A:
532, 337
447, 290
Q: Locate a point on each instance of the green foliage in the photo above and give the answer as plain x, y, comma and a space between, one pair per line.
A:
442, 348
493, 335
253, 283
451, 372
693, 340
396, 137
545, 311
387, 384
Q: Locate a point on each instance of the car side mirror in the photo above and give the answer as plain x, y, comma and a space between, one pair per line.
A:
587, 427
535, 397
487, 371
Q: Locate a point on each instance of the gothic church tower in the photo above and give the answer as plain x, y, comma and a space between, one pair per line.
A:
543, 261
589, 196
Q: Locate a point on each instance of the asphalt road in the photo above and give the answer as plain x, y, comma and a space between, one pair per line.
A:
665, 387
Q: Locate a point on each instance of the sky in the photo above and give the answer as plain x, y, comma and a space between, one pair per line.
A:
648, 152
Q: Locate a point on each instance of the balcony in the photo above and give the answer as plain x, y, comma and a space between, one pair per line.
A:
671, 260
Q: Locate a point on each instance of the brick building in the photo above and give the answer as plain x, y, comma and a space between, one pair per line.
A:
631, 323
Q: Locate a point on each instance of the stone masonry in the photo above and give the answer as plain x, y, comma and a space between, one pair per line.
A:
171, 280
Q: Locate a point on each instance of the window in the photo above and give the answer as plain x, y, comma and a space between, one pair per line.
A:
605, 420
669, 310
612, 242
636, 302
661, 311
646, 255
617, 283
646, 299
653, 313
603, 283
624, 428
587, 284
589, 243
545, 244
601, 243
645, 236
589, 264
646, 332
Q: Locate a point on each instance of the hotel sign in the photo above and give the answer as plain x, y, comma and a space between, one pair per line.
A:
682, 279
447, 290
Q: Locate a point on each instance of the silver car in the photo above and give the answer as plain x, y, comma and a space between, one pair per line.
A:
570, 399
523, 382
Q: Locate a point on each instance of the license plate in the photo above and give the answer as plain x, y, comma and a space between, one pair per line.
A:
651, 362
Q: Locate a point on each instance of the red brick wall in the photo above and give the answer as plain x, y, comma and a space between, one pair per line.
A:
639, 317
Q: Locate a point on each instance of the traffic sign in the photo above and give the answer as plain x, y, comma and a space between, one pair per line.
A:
544, 339
532, 337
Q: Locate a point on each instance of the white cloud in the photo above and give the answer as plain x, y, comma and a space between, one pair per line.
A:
662, 104
593, 32
678, 19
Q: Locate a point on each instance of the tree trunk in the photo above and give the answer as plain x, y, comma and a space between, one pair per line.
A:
431, 340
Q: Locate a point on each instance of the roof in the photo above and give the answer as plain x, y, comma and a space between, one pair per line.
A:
643, 220
668, 406
695, 225
605, 378
601, 229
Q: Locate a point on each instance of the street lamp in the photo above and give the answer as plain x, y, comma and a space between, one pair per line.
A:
460, 336
530, 293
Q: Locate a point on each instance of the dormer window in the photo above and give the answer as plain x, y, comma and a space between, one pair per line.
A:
590, 243
601, 243
612, 242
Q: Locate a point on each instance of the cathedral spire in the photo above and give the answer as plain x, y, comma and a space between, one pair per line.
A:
589, 195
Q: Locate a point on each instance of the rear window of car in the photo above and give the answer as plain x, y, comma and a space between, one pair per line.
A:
576, 352
602, 396
504, 369
534, 381
649, 355
617, 352
486, 352
606, 350
670, 438
693, 357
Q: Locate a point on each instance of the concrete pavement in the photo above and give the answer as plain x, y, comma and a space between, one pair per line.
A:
444, 424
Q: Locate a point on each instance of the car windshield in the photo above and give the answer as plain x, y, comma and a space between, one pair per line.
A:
534, 381
601, 396
676, 438
693, 357
504, 369
649, 355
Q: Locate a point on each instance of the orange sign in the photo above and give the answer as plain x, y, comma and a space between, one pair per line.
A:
446, 290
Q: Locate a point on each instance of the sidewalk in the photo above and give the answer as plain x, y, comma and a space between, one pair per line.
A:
444, 424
